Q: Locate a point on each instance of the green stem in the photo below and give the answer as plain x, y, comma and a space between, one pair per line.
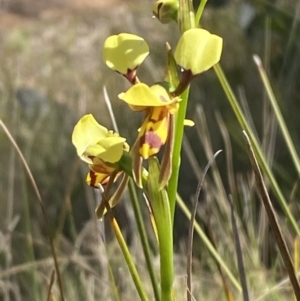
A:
165, 237
130, 264
143, 236
186, 20
161, 210
200, 12
179, 130
257, 150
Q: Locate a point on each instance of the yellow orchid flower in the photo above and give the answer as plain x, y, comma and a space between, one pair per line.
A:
159, 106
124, 53
100, 148
198, 50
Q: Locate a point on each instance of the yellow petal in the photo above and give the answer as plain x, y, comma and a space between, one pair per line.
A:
93, 140
153, 133
141, 96
198, 50
124, 52
109, 149
188, 122
87, 132
94, 179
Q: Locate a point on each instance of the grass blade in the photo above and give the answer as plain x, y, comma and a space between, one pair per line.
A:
239, 253
260, 156
273, 220
191, 228
280, 119
143, 237
52, 279
27, 169
126, 253
209, 245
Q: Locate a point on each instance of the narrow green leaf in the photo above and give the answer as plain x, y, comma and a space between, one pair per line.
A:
171, 70
161, 210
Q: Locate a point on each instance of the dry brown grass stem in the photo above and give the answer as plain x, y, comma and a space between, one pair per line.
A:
191, 228
273, 220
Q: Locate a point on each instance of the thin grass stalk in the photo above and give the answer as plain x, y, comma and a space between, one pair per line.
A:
269, 126
176, 159
280, 119
29, 240
296, 256
66, 207
30, 255
53, 252
239, 253
267, 43
24, 267
11, 179
186, 146
209, 245
275, 290
143, 236
11, 107
113, 282
228, 154
191, 229
127, 256
261, 158
204, 136
227, 291
101, 232
288, 49
244, 103
280, 241
51, 282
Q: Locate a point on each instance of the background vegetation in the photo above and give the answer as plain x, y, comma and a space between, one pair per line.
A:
51, 73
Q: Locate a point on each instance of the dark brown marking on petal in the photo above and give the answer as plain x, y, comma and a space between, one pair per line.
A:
163, 114
102, 168
93, 177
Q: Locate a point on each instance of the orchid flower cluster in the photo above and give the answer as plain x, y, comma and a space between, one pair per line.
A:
107, 154
164, 105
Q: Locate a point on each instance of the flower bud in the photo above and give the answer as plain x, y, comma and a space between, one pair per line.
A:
166, 11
